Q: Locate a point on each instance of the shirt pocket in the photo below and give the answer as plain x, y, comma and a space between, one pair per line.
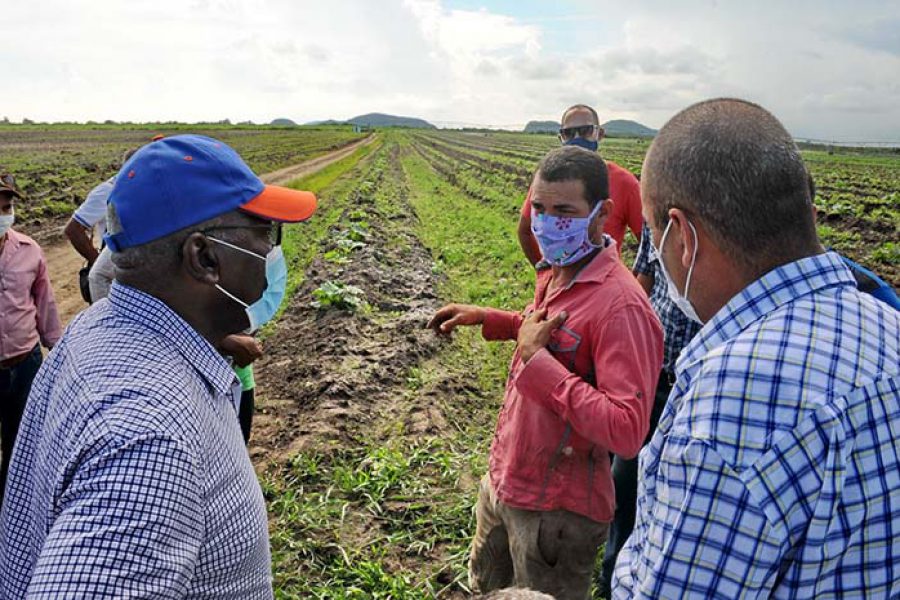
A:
564, 345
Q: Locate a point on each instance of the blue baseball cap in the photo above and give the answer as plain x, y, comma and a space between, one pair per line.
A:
183, 180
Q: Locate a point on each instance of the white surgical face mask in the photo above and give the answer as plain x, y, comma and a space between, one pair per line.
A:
680, 300
6, 221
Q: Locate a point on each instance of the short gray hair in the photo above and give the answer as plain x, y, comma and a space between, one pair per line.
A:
733, 166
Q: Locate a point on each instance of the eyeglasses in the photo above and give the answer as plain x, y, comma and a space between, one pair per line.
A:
274, 230
568, 133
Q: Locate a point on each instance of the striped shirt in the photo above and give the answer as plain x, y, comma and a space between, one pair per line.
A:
774, 470
678, 329
130, 477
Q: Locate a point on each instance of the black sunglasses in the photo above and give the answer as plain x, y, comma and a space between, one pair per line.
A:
568, 133
274, 230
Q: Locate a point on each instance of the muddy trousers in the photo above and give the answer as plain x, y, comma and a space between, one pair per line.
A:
549, 551
15, 383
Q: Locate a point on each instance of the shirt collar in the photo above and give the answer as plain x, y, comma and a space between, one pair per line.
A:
152, 313
771, 291
15, 239
594, 271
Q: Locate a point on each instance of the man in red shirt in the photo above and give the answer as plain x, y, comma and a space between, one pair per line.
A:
581, 386
581, 127
27, 318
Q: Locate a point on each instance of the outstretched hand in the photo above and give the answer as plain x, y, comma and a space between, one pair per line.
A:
451, 316
535, 331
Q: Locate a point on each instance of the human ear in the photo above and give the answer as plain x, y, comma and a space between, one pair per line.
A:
199, 260
686, 234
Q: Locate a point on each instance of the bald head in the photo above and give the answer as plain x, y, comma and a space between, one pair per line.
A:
733, 167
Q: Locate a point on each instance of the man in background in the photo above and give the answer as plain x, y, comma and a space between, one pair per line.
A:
28, 318
581, 127
88, 223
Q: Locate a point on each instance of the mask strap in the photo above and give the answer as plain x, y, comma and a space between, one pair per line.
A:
232, 296
687, 283
238, 248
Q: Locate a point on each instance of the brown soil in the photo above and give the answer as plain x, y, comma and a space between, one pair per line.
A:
330, 374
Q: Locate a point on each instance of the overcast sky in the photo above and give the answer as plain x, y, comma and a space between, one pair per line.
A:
828, 70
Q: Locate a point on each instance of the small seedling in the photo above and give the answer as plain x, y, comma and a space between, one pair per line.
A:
339, 296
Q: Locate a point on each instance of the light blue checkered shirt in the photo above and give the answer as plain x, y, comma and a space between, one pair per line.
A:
130, 477
775, 470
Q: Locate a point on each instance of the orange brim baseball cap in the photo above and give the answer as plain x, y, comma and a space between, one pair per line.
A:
282, 204
183, 180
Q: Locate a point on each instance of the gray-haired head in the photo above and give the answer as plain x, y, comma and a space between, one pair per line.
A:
732, 166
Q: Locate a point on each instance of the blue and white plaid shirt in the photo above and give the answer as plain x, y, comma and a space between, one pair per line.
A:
130, 477
678, 330
775, 470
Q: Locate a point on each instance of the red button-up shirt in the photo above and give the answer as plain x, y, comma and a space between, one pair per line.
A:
589, 393
27, 308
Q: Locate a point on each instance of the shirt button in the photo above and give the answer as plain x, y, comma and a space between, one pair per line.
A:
567, 450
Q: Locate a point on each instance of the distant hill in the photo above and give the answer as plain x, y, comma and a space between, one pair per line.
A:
327, 122
541, 127
283, 122
382, 120
615, 128
625, 128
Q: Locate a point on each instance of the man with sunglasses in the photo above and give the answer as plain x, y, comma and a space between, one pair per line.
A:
28, 318
581, 127
130, 476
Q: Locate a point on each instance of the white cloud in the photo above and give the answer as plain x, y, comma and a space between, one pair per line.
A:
826, 69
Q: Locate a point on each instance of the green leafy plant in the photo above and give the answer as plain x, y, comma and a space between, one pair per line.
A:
339, 296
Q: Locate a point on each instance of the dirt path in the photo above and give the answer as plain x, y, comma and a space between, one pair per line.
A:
63, 262
287, 174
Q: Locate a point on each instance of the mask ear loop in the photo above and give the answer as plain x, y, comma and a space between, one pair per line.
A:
591, 218
238, 248
232, 296
687, 283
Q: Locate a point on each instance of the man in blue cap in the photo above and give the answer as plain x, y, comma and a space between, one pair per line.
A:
130, 477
